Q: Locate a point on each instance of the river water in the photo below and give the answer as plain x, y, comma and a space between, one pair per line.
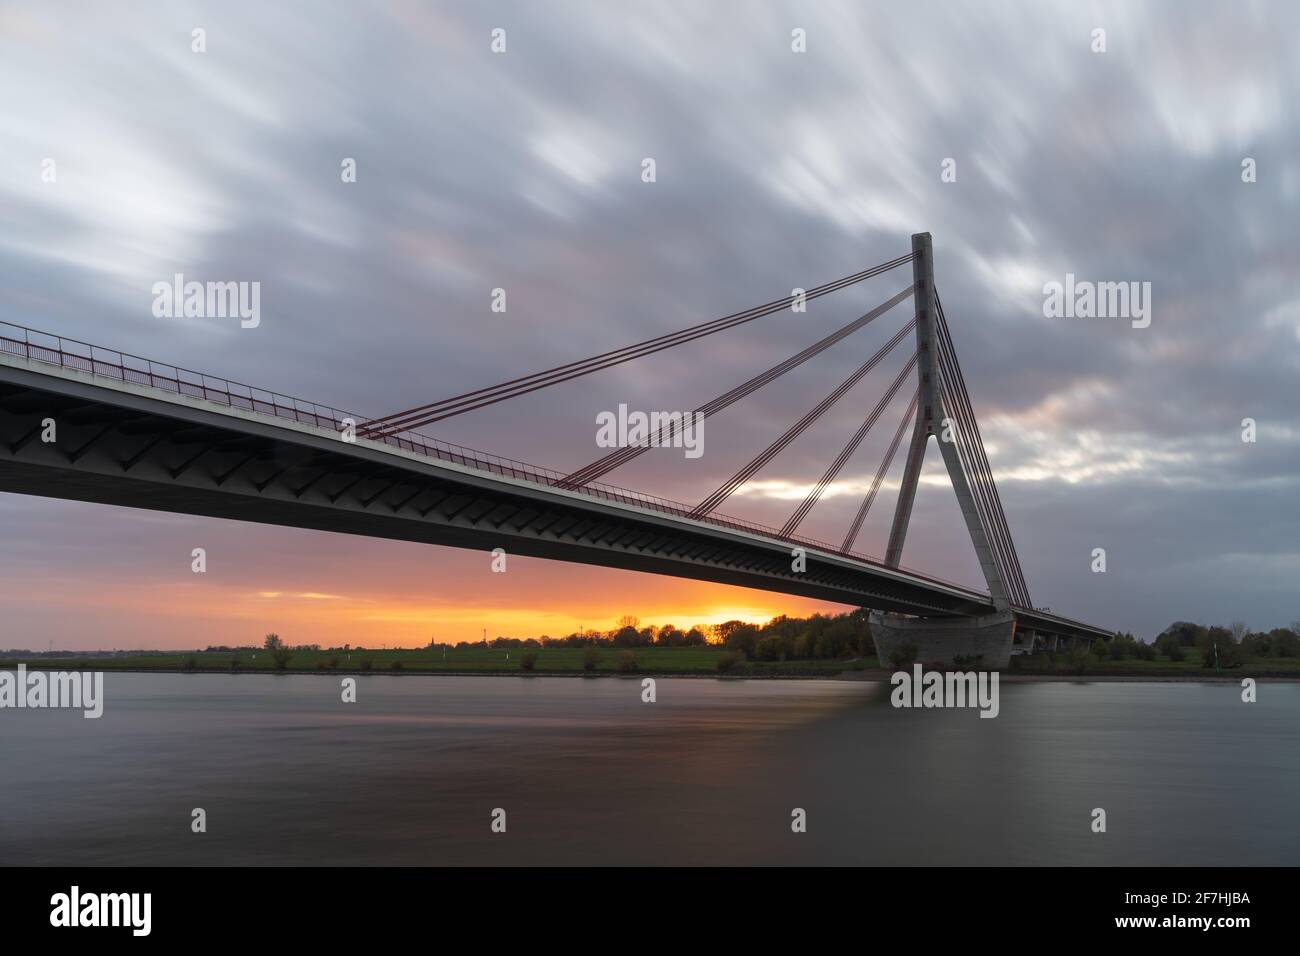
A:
707, 774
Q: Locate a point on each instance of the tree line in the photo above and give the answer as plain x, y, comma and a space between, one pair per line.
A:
782, 638
840, 636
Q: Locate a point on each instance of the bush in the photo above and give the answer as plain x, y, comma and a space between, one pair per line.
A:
191, 663
1077, 656
1143, 651
366, 664
234, 663
743, 640
590, 658
902, 657
395, 666
528, 660
1100, 650
729, 661
770, 648
627, 663
1226, 654
839, 638
280, 656
1171, 645
334, 663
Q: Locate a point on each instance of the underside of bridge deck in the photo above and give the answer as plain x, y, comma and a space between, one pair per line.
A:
123, 447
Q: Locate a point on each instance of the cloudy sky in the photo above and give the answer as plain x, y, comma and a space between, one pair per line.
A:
775, 169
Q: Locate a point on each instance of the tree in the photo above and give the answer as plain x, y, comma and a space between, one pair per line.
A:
1284, 642
838, 638
723, 631
1122, 646
272, 641
1220, 650
627, 636
670, 636
1184, 633
1170, 645
695, 638
743, 639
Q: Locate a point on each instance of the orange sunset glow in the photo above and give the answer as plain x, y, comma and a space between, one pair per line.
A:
330, 589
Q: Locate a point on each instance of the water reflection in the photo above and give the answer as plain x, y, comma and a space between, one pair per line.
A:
588, 773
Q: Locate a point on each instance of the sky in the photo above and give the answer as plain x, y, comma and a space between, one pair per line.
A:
1002, 129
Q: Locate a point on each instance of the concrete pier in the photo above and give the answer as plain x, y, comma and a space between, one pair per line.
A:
939, 640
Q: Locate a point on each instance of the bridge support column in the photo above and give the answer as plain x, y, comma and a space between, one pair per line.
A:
930, 419
940, 639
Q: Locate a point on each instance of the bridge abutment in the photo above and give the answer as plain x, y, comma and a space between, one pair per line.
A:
940, 639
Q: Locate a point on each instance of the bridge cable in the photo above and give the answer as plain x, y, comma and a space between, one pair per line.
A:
981, 467
795, 430
480, 398
667, 432
982, 471
842, 458
995, 533
980, 496
880, 473
975, 463
961, 429
956, 403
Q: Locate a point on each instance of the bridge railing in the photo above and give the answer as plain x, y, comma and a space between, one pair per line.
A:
57, 350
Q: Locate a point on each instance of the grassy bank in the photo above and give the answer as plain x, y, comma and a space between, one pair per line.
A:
645, 660
1160, 667
557, 660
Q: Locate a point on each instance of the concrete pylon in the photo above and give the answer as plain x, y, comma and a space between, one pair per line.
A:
988, 639
930, 420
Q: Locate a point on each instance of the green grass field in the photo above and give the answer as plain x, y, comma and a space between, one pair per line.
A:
558, 660
569, 660
1160, 667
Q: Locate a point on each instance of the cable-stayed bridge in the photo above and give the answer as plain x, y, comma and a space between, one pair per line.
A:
135, 432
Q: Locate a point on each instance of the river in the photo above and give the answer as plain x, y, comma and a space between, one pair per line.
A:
709, 773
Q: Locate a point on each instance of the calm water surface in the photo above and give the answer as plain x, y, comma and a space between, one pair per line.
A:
708, 774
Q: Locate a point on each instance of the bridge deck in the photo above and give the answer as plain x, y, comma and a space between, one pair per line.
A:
272, 458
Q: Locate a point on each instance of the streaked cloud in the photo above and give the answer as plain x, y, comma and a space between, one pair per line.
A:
775, 170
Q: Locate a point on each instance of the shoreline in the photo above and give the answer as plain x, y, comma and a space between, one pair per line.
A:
860, 676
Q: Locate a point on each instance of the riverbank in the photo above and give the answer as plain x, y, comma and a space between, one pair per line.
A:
464, 662
710, 662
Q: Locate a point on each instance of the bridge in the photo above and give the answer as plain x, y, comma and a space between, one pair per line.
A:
86, 423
